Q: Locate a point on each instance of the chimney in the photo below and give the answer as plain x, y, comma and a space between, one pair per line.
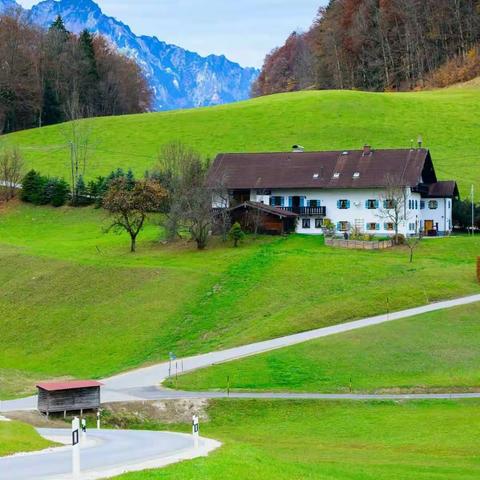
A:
297, 149
367, 150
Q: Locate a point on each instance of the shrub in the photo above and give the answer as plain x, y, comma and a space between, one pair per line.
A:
41, 190
236, 233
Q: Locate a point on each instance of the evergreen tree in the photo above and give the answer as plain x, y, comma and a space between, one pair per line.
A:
130, 178
236, 233
90, 77
60, 193
32, 187
59, 26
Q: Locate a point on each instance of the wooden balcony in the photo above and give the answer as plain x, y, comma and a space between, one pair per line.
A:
307, 211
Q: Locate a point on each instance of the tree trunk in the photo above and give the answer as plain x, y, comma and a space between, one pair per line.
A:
133, 244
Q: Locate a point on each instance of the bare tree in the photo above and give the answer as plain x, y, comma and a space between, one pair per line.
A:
78, 134
190, 201
255, 220
11, 171
130, 206
393, 203
413, 241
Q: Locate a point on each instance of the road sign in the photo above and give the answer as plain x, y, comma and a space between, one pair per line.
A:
172, 356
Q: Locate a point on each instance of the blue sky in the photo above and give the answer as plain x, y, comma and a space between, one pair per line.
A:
243, 30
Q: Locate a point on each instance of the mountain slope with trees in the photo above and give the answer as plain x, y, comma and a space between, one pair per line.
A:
373, 45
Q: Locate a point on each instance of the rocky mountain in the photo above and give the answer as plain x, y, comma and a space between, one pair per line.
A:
179, 78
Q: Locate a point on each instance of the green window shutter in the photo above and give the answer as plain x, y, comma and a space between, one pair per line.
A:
377, 226
348, 203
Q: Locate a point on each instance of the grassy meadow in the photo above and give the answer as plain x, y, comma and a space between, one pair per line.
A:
75, 303
447, 119
434, 352
20, 437
334, 441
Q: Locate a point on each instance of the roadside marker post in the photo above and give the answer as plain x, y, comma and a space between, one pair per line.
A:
98, 419
75, 447
195, 430
84, 429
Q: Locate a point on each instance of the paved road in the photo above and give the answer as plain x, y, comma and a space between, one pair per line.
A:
107, 453
134, 385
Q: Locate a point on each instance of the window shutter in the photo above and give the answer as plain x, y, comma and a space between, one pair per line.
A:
377, 203
290, 201
377, 226
366, 203
385, 226
339, 226
302, 201
338, 203
348, 203
272, 201
282, 201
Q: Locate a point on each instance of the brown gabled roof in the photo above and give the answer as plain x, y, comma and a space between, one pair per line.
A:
337, 169
445, 189
279, 212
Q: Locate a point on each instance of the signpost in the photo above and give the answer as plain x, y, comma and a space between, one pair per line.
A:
172, 357
75, 447
195, 430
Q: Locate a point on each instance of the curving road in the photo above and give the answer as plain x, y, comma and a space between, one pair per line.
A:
142, 384
106, 453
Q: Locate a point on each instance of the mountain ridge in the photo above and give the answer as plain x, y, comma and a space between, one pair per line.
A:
179, 78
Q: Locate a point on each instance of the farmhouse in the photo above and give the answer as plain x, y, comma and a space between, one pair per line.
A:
371, 191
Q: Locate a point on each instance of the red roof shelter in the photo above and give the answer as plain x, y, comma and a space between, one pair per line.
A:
77, 395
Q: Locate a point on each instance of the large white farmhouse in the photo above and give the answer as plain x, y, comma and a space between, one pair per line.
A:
372, 191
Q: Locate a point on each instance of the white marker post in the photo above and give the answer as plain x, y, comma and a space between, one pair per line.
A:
75, 447
195, 430
84, 429
98, 419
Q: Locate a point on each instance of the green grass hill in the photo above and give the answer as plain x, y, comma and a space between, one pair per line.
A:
447, 119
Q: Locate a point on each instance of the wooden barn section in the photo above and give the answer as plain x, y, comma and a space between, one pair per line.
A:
66, 397
268, 220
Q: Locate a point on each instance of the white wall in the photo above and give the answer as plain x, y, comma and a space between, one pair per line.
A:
359, 215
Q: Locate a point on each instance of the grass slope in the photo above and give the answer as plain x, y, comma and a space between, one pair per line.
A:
18, 437
75, 303
268, 440
448, 120
432, 352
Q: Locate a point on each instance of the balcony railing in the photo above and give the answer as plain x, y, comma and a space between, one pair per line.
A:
307, 211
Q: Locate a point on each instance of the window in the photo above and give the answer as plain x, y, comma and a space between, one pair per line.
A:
343, 226
371, 204
389, 204
319, 223
411, 227
343, 204
336, 175
314, 203
389, 227
416, 204
373, 226
356, 175
422, 204
432, 204
276, 201
305, 223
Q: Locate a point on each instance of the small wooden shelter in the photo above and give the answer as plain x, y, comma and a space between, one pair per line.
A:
66, 397
271, 220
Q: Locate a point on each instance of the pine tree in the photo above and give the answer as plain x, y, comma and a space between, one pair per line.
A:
60, 193
31, 187
236, 234
90, 76
59, 27
130, 177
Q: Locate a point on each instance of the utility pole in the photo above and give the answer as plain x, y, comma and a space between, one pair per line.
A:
473, 210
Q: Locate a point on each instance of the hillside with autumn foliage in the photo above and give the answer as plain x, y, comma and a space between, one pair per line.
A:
378, 45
